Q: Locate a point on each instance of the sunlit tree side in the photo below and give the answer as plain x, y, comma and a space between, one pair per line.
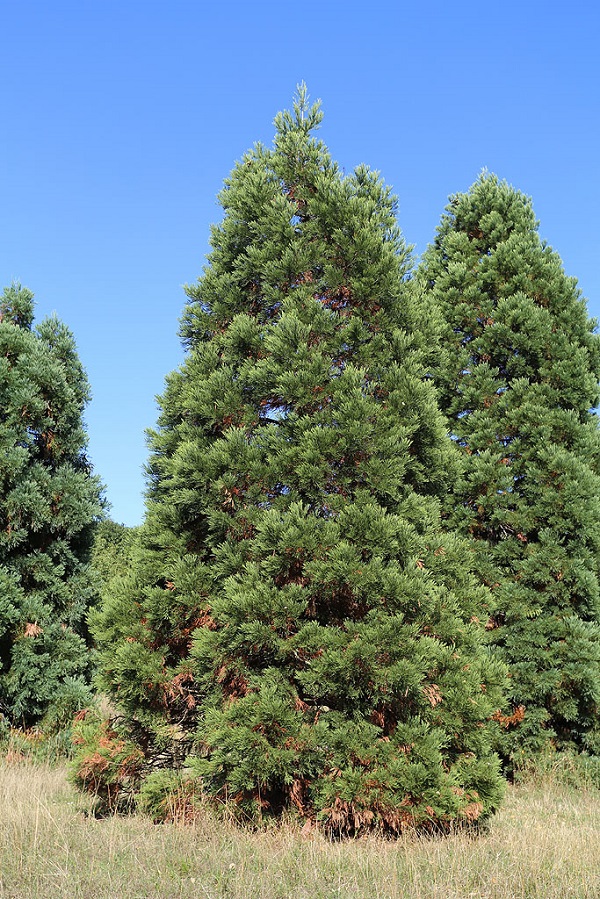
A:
297, 626
519, 381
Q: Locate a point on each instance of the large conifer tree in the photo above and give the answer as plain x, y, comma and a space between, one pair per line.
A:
48, 502
296, 622
518, 381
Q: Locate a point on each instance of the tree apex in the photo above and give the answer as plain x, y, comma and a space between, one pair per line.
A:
305, 117
16, 306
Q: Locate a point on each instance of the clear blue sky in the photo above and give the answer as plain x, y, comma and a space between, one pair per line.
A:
119, 121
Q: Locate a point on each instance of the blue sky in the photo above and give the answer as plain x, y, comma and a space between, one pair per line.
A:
120, 120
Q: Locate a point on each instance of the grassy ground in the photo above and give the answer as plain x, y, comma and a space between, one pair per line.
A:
544, 844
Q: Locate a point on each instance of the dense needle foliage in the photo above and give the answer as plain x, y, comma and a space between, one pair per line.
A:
296, 625
518, 382
48, 502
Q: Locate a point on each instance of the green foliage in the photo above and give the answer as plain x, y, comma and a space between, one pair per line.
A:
518, 379
48, 502
170, 796
294, 621
106, 763
112, 549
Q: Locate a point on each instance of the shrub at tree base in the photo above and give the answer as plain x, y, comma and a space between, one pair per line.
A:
296, 630
105, 765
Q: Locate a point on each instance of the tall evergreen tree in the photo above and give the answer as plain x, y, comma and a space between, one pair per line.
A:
48, 502
518, 381
296, 622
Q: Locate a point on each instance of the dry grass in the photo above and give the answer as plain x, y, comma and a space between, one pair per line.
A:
544, 844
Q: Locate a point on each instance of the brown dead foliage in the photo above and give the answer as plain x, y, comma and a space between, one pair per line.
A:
179, 640
203, 619
338, 299
386, 718
298, 794
32, 629
306, 277
233, 683
433, 694
346, 818
349, 819
179, 690
507, 721
378, 718
472, 812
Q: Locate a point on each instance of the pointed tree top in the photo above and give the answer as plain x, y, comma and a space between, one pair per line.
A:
16, 306
491, 204
304, 118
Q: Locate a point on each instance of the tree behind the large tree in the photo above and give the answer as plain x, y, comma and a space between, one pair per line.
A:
48, 502
297, 622
518, 381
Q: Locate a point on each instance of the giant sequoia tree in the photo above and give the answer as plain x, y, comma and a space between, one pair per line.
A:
48, 503
296, 623
518, 381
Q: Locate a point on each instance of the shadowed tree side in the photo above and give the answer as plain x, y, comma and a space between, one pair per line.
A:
518, 381
49, 501
296, 624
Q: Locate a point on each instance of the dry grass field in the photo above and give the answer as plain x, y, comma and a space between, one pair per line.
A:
544, 844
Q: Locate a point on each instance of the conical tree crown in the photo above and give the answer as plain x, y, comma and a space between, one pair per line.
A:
16, 306
518, 380
296, 617
48, 502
